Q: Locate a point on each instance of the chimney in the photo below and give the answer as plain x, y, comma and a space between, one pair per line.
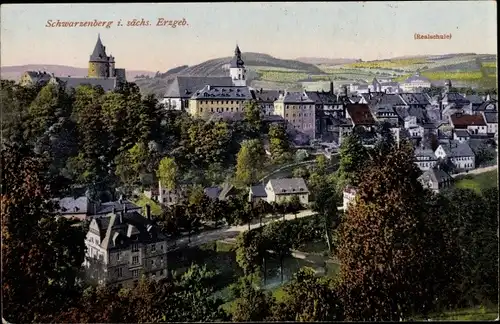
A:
331, 87
113, 210
385, 91
148, 211
121, 217
124, 208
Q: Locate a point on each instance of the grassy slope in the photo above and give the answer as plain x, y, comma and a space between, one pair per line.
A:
478, 182
155, 207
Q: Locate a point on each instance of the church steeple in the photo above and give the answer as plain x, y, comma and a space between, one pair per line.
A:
237, 69
237, 62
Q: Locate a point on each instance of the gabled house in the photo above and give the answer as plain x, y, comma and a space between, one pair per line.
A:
265, 99
415, 130
461, 135
425, 159
281, 190
460, 154
122, 247
491, 119
361, 116
475, 124
82, 208
436, 179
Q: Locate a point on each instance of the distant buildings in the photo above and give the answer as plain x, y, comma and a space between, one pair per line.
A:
415, 83
436, 179
460, 154
101, 72
298, 110
82, 208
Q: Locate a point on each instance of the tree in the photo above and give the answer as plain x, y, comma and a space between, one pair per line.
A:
325, 204
278, 237
41, 256
472, 225
353, 157
249, 251
249, 162
168, 173
278, 143
294, 205
484, 155
251, 303
390, 249
309, 299
253, 116
131, 164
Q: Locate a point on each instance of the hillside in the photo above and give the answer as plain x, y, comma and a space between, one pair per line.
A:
258, 64
328, 61
15, 72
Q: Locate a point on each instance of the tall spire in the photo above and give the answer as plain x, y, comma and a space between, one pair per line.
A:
99, 53
237, 62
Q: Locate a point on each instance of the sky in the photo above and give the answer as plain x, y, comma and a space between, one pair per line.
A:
366, 30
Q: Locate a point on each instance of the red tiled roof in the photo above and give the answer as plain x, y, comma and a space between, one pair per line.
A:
462, 120
360, 114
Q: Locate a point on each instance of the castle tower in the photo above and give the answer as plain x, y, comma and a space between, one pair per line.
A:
99, 61
237, 69
112, 72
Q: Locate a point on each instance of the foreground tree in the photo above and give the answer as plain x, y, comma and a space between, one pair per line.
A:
353, 157
391, 251
309, 299
250, 160
251, 303
41, 256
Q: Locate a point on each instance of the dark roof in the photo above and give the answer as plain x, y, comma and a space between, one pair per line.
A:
273, 118
462, 133
71, 205
462, 120
457, 149
484, 105
435, 175
212, 192
266, 95
455, 98
107, 84
491, 117
389, 99
288, 186
314, 96
225, 93
258, 191
328, 98
474, 99
132, 227
99, 53
295, 97
389, 84
425, 153
185, 86
360, 114
415, 98
107, 207
39, 76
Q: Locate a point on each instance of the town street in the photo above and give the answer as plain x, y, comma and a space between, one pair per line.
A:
233, 231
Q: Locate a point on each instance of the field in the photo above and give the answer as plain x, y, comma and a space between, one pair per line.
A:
441, 75
478, 182
468, 314
409, 64
489, 65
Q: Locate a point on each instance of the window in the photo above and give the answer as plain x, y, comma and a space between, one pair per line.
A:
161, 247
135, 259
153, 247
211, 110
135, 273
118, 256
152, 262
201, 109
135, 247
119, 272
